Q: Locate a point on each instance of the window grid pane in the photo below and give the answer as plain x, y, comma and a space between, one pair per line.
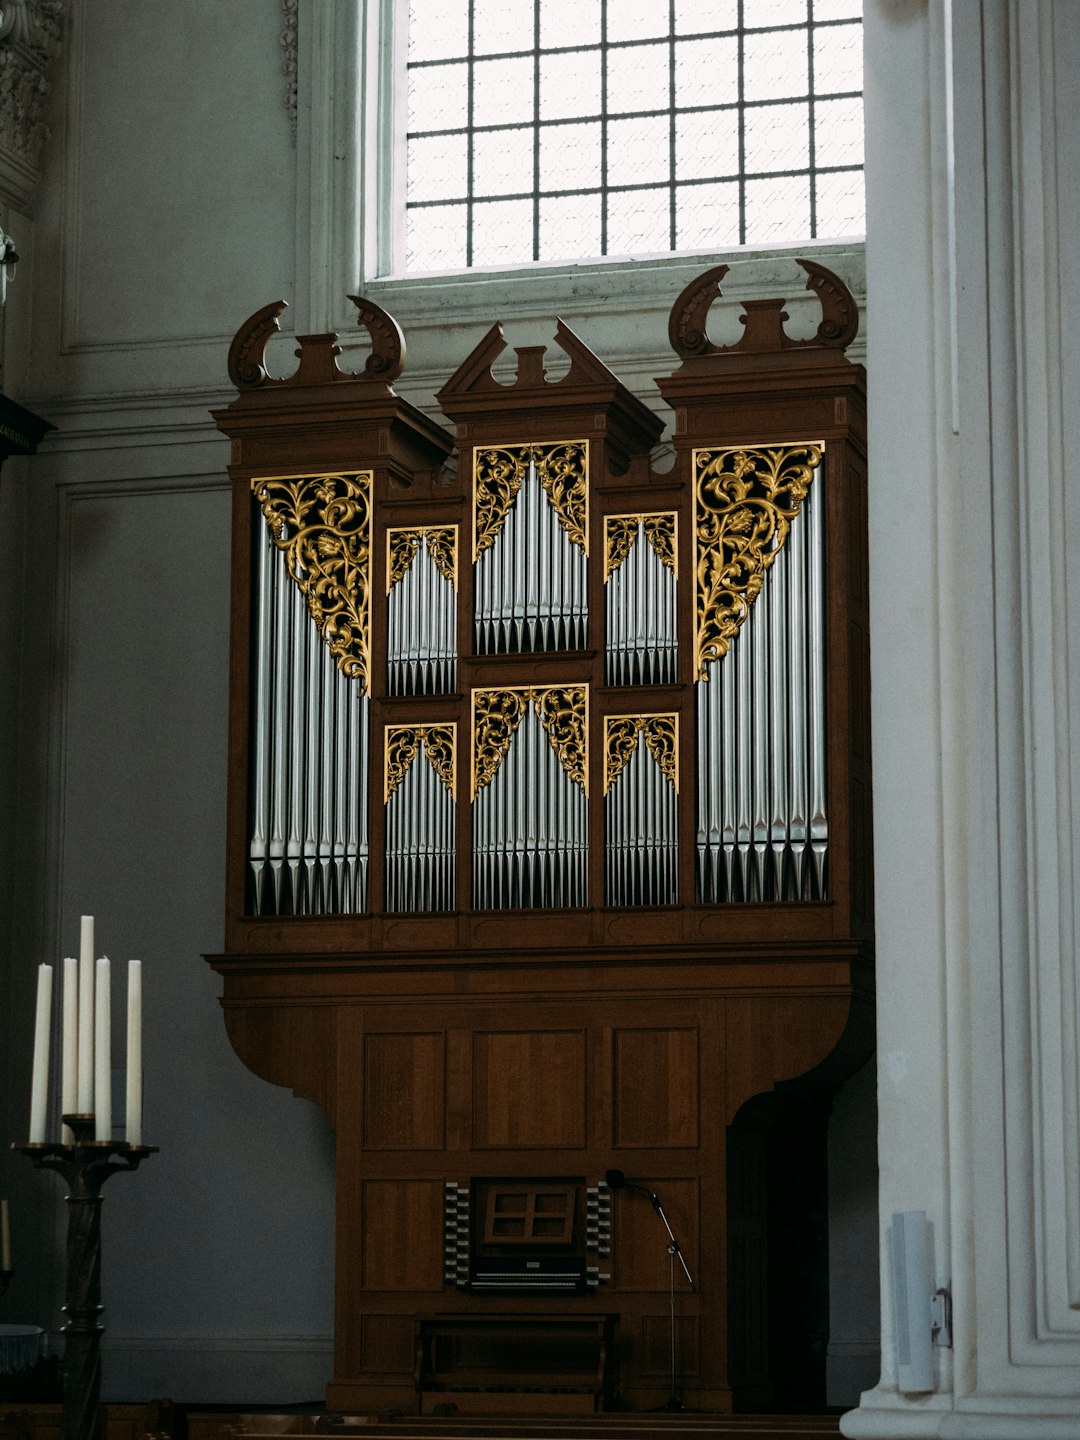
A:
709, 124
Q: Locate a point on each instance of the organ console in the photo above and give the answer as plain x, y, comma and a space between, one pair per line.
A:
549, 824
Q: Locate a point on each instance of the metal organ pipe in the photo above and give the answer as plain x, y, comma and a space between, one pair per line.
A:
798, 798
309, 740
285, 599
530, 829
761, 781
260, 722
530, 583
641, 829
420, 841
641, 633
819, 828
421, 638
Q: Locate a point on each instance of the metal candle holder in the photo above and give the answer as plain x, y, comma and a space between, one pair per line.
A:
85, 1165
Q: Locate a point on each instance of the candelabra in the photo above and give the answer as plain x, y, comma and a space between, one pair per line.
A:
85, 1165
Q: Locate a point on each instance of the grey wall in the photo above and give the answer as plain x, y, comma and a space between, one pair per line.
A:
169, 212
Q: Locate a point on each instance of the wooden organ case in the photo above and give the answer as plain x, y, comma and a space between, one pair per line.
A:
549, 834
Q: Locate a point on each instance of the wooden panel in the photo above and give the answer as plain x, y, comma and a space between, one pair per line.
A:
386, 1344
656, 1345
529, 1089
641, 1243
404, 1091
656, 1087
774, 1038
403, 1234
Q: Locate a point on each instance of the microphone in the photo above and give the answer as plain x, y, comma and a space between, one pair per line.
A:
616, 1180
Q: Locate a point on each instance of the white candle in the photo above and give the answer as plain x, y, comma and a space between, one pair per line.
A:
69, 1074
5, 1237
39, 1084
85, 1093
102, 1054
134, 1053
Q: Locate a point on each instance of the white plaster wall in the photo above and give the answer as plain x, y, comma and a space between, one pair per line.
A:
173, 205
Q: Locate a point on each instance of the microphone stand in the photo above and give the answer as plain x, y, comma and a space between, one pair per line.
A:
673, 1250
616, 1180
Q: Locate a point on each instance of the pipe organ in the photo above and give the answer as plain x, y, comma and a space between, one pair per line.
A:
549, 831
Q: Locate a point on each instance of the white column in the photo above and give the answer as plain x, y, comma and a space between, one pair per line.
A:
973, 258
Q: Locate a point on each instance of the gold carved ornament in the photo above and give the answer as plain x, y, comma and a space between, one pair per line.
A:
322, 526
436, 742
498, 474
403, 543
561, 709
620, 532
661, 735
564, 474
745, 501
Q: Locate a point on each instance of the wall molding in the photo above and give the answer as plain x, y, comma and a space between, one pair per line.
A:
235, 1344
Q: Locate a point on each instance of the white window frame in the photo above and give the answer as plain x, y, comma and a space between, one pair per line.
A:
350, 213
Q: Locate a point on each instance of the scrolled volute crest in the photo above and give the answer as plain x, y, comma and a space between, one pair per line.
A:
687, 324
317, 353
387, 358
247, 353
763, 319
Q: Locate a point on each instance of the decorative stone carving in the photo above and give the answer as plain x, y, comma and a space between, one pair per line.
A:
289, 45
30, 37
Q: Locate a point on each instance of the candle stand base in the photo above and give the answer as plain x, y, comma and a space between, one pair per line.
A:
85, 1165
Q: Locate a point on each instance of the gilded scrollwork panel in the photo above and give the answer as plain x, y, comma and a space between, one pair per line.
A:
442, 546
322, 526
745, 499
660, 529
561, 709
563, 712
661, 735
496, 716
497, 477
564, 473
499, 471
402, 543
436, 742
440, 746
